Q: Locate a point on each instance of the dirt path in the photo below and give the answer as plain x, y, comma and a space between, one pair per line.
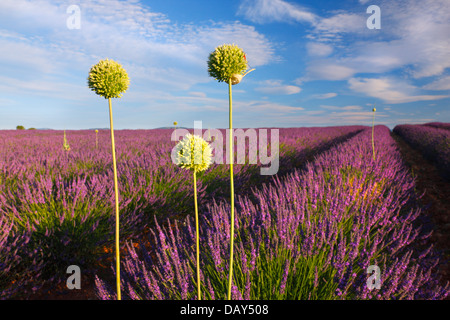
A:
437, 196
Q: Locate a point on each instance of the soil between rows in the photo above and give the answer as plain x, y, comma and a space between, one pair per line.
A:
436, 197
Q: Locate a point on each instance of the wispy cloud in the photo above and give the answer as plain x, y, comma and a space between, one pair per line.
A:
264, 11
157, 53
346, 108
325, 95
442, 83
319, 49
277, 88
327, 70
390, 90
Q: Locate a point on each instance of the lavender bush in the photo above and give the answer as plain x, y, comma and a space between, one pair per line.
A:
20, 267
309, 235
63, 201
66, 200
434, 143
439, 125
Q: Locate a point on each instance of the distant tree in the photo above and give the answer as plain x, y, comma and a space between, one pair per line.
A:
31, 128
20, 128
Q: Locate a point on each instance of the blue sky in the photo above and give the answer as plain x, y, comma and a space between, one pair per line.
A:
316, 63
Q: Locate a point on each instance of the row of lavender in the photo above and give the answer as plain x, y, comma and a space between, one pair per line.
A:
311, 235
439, 125
56, 206
433, 142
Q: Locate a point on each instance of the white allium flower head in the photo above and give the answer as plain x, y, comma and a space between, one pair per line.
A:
193, 153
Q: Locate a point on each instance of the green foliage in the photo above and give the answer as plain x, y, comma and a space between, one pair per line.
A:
20, 127
227, 60
108, 79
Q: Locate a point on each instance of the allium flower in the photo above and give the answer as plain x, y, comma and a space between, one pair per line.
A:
108, 79
193, 153
228, 62
66, 145
175, 124
96, 139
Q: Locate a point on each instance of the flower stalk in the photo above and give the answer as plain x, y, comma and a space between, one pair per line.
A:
116, 196
199, 293
66, 145
230, 274
228, 63
194, 153
175, 124
373, 126
109, 80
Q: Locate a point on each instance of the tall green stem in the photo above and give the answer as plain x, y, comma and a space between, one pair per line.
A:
230, 276
373, 143
199, 294
116, 191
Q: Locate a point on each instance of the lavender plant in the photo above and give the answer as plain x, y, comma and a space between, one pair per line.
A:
66, 203
439, 125
228, 63
310, 235
20, 268
109, 80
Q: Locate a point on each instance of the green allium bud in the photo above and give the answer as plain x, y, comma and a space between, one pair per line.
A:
108, 79
227, 62
193, 153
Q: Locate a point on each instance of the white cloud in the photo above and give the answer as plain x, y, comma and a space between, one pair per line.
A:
340, 23
326, 95
157, 53
319, 49
327, 70
197, 94
263, 11
276, 87
346, 108
414, 36
439, 84
389, 90
266, 106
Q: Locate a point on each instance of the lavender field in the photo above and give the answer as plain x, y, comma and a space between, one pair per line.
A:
432, 140
309, 232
